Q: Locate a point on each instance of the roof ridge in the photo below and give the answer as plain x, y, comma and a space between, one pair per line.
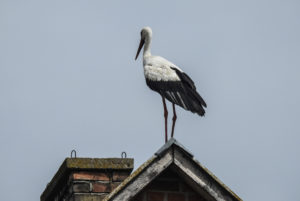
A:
172, 141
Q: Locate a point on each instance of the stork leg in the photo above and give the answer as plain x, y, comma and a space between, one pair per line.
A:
174, 119
166, 119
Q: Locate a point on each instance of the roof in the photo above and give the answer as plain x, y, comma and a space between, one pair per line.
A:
83, 164
174, 155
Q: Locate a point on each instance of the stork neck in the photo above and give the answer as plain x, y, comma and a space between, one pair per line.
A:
147, 48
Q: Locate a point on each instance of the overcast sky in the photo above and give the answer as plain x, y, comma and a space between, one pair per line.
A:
68, 80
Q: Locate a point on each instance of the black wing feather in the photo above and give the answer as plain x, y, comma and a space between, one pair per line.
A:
182, 93
189, 82
185, 78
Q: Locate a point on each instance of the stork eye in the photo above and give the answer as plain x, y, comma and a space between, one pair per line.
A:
141, 33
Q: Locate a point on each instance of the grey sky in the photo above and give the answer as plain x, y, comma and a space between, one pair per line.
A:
68, 80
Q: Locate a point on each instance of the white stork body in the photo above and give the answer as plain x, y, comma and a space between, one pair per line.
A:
169, 81
157, 68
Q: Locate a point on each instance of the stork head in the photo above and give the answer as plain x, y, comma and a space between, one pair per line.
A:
146, 35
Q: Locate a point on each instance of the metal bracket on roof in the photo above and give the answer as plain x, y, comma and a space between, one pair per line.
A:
73, 151
123, 154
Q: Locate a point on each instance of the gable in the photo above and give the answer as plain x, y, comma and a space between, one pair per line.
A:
168, 186
175, 157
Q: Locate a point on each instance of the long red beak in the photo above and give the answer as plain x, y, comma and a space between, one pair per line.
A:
140, 47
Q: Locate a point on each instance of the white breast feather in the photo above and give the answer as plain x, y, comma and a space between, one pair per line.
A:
159, 69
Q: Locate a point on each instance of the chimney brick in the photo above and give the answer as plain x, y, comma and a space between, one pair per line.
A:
92, 176
81, 179
119, 175
101, 187
82, 187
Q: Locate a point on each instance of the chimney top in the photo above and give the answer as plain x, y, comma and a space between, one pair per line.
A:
70, 165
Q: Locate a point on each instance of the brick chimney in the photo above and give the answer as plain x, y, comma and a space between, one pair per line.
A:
82, 179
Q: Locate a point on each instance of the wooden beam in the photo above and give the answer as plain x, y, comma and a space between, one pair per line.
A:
145, 177
206, 185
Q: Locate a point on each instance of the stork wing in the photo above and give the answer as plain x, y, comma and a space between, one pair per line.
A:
180, 94
184, 78
188, 82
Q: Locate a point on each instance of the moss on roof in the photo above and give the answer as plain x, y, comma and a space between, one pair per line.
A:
99, 163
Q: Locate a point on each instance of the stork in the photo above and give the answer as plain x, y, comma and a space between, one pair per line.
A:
169, 81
